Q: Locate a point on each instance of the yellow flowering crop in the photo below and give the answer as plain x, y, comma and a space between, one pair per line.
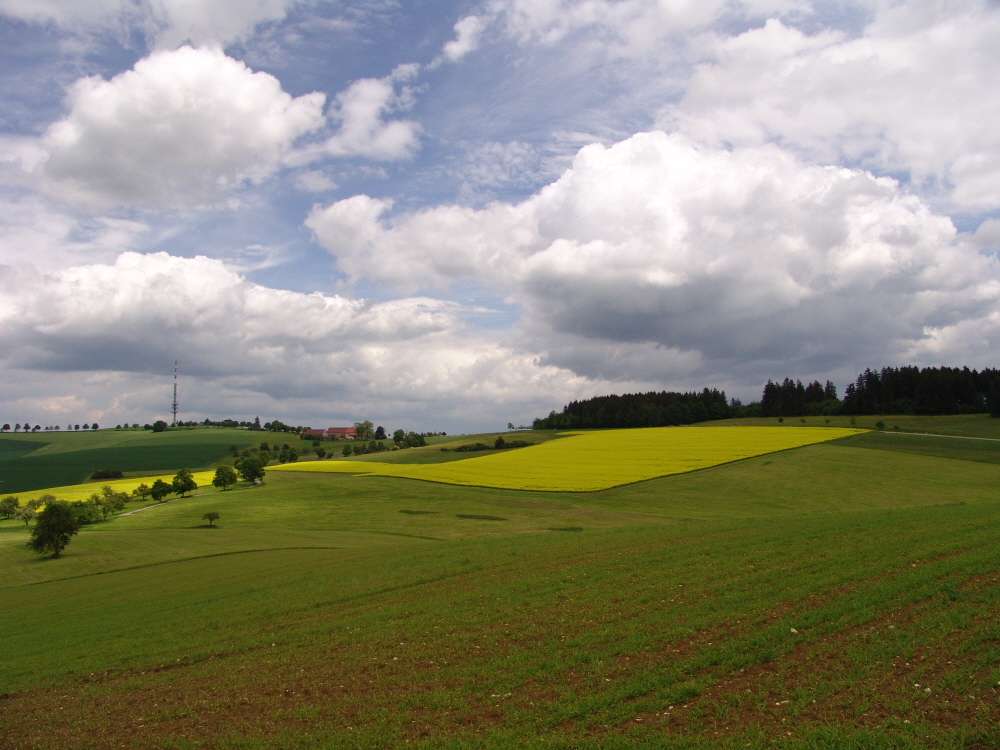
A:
76, 493
589, 461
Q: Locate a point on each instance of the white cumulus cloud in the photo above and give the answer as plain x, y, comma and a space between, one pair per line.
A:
360, 111
662, 250
166, 23
623, 27
917, 92
468, 31
181, 128
101, 331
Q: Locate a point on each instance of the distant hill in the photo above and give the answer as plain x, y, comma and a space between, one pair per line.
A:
53, 459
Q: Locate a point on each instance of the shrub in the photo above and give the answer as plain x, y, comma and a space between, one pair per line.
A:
471, 447
107, 474
880, 425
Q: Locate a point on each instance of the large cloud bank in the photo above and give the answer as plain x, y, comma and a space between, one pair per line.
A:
789, 208
719, 257
407, 358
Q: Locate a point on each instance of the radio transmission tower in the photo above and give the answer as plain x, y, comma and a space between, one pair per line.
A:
174, 404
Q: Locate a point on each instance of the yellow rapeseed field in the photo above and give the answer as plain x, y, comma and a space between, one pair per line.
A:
590, 461
75, 493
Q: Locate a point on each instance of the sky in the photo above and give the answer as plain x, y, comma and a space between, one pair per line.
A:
454, 215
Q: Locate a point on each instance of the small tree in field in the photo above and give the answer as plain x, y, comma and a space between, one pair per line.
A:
55, 525
184, 483
25, 514
141, 492
8, 506
224, 478
211, 516
160, 490
111, 502
250, 469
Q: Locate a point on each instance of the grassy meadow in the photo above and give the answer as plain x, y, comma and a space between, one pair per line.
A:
843, 594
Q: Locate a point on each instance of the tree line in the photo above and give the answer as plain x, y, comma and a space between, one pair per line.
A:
642, 410
891, 390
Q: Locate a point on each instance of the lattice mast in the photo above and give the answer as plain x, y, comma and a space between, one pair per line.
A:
173, 406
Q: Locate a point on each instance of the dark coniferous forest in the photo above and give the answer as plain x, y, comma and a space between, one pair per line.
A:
891, 390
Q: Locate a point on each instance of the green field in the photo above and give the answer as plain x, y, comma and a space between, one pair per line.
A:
801, 599
968, 425
53, 459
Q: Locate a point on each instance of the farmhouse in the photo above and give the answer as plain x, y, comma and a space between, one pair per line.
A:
331, 433
340, 433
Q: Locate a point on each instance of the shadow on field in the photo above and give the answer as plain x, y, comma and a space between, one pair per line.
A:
203, 526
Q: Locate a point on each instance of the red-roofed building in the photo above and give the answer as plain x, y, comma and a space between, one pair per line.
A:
340, 433
331, 433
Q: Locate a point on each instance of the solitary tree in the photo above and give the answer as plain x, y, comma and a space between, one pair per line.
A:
224, 477
510, 425
5, 428
210, 517
53, 528
160, 490
159, 425
184, 483
24, 514
380, 433
250, 468
9, 505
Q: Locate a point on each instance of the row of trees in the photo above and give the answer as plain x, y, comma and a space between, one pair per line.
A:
27, 427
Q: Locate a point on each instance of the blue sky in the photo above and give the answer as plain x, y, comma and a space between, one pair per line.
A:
455, 215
